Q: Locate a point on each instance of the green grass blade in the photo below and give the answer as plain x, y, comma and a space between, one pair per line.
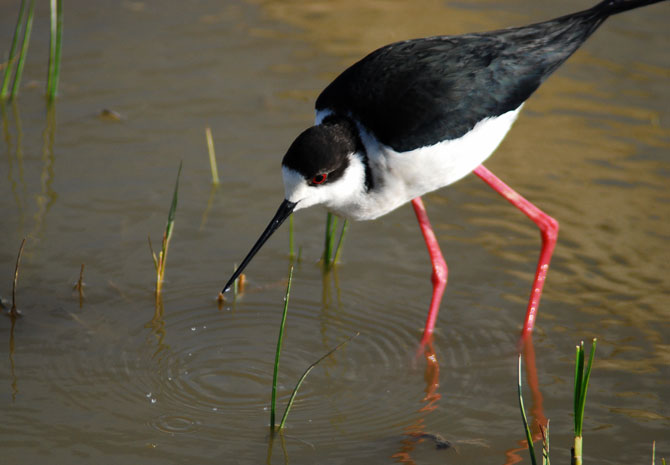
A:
273, 402
579, 373
291, 248
585, 385
653, 453
24, 51
55, 46
304, 375
162, 256
343, 233
331, 225
4, 90
53, 22
173, 206
529, 438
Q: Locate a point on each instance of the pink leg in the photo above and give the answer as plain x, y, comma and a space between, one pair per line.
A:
439, 276
548, 229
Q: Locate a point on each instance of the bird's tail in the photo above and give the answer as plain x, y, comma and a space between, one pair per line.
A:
612, 7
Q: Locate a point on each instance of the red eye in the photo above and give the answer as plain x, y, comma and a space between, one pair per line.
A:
319, 178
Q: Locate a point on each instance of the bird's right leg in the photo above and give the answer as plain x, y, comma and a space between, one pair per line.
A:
548, 230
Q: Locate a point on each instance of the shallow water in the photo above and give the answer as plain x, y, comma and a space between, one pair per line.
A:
112, 379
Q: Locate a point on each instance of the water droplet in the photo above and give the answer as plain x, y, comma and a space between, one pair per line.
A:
148, 395
153, 400
193, 328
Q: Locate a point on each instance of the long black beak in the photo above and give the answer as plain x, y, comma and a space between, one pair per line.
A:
285, 209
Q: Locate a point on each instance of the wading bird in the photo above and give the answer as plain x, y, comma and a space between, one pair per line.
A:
418, 115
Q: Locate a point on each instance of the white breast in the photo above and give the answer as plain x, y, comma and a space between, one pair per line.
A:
402, 176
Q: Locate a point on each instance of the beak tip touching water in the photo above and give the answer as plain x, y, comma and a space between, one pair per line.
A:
283, 212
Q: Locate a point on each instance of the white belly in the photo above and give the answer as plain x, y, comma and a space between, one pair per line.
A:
402, 176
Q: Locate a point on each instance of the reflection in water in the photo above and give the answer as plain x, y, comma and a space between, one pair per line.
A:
416, 432
536, 410
282, 442
47, 196
19, 155
328, 275
79, 286
212, 192
157, 326
15, 381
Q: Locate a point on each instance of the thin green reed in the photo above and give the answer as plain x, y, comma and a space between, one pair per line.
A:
160, 260
529, 437
280, 340
9, 66
304, 375
331, 254
55, 46
582, 375
24, 51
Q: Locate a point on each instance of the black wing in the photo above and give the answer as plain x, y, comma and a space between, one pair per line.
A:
419, 92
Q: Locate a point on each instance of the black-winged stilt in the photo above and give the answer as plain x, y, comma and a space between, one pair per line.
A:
418, 115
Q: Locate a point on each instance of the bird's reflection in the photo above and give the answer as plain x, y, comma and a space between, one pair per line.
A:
416, 432
538, 421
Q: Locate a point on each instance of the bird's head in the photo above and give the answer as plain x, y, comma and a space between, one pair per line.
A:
322, 166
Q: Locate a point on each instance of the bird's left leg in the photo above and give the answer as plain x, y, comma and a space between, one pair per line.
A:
439, 276
548, 230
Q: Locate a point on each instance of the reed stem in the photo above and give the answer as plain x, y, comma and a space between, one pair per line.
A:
7, 75
55, 46
24, 51
13, 312
212, 156
161, 259
304, 375
529, 438
280, 340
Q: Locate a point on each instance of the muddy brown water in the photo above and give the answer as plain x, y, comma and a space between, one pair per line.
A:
107, 382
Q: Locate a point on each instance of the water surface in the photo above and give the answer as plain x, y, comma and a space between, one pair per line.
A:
115, 379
